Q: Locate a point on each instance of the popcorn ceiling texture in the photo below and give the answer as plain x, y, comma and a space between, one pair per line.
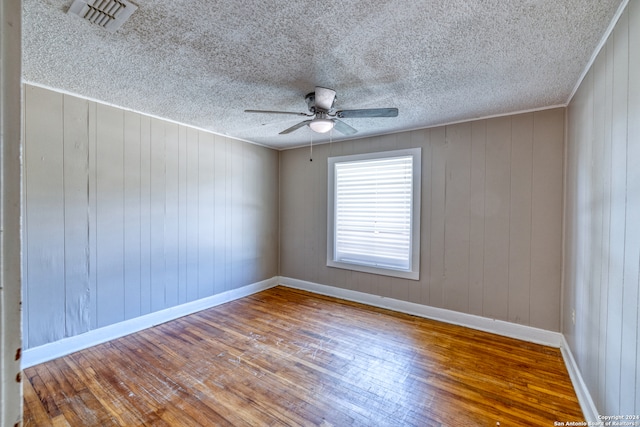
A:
202, 62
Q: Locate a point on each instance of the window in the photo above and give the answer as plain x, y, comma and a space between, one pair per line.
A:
374, 213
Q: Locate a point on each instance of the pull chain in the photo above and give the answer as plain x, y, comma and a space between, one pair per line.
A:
311, 145
330, 143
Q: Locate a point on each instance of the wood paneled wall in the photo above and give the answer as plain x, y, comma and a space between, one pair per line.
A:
491, 217
602, 250
125, 214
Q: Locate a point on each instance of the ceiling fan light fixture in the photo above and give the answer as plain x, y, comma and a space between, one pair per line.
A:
321, 125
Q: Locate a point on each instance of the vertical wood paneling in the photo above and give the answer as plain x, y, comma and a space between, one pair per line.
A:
300, 191
590, 228
606, 224
157, 219
582, 218
437, 207
497, 221
287, 252
248, 203
457, 196
633, 205
580, 271
93, 210
606, 219
602, 222
599, 182
366, 282
249, 231
546, 219
322, 152
476, 217
193, 214
219, 213
569, 232
44, 198
76, 222
172, 215
585, 229
617, 226
121, 215
569, 255
520, 218
418, 293
629, 351
206, 216
132, 217
312, 188
110, 215
254, 170
235, 197
182, 214
270, 230
231, 170
145, 215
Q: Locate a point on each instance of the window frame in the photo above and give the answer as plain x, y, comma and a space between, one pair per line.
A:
413, 273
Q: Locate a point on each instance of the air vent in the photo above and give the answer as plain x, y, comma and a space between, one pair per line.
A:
109, 14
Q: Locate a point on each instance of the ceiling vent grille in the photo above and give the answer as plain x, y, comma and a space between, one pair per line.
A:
109, 14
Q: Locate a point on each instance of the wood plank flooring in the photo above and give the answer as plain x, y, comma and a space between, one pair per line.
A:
284, 357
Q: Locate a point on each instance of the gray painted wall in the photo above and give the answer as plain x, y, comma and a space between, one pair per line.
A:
125, 214
602, 249
491, 219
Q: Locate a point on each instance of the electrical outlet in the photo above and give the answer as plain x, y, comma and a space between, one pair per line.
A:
573, 316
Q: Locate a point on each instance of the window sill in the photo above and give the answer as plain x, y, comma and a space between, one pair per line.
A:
402, 274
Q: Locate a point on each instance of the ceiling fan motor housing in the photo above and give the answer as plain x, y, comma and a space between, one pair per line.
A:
310, 98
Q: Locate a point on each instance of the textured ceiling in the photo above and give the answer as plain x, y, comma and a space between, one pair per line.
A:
202, 62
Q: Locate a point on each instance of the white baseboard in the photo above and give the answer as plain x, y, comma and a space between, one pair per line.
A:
512, 330
500, 327
587, 404
46, 352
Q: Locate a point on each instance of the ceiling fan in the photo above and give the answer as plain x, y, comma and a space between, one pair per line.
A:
325, 116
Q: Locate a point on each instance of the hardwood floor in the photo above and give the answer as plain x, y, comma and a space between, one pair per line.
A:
287, 357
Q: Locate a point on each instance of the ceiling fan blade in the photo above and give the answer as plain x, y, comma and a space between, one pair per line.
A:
277, 112
295, 127
343, 128
324, 98
368, 112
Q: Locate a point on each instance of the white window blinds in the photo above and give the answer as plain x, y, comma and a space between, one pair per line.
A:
373, 212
